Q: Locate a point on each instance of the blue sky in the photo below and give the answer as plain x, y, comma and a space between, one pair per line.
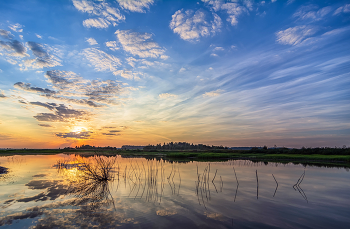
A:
232, 73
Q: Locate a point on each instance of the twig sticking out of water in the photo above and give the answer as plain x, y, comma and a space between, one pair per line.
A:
213, 181
297, 186
257, 185
222, 184
276, 186
214, 176
237, 184
178, 190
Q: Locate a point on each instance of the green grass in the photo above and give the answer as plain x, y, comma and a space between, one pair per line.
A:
316, 155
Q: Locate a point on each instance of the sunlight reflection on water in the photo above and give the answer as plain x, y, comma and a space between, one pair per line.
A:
67, 191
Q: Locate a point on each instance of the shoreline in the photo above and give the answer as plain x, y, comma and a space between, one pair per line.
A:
342, 158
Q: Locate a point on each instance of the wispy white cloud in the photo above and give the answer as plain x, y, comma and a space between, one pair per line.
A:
213, 93
310, 12
218, 49
295, 35
234, 10
101, 60
292, 71
182, 69
38, 36
140, 44
106, 15
142, 63
96, 22
214, 54
16, 27
136, 5
112, 45
91, 41
342, 9
167, 96
192, 25
128, 74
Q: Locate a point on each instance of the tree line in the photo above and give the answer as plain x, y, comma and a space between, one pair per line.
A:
181, 146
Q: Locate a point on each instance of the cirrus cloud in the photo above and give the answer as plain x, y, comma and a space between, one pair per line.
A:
295, 35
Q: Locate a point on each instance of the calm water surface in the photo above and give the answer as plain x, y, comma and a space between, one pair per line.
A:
60, 191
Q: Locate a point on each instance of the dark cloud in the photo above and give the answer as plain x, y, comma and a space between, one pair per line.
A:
108, 127
62, 114
38, 51
2, 95
43, 58
14, 46
79, 101
40, 175
27, 87
40, 184
40, 196
74, 85
3, 170
5, 34
79, 135
9, 201
22, 101
57, 79
112, 132
44, 125
54, 191
103, 92
50, 106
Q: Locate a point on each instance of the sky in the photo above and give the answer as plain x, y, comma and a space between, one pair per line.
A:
139, 72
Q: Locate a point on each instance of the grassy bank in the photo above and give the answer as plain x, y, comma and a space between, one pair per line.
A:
329, 156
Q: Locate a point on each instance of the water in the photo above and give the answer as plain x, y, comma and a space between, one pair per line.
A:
57, 191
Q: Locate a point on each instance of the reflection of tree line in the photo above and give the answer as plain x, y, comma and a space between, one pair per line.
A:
203, 185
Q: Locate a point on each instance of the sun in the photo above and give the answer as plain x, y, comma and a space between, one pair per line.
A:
78, 129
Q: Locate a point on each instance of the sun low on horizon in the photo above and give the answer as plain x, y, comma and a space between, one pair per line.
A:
139, 72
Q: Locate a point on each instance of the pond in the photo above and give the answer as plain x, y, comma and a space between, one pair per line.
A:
67, 191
